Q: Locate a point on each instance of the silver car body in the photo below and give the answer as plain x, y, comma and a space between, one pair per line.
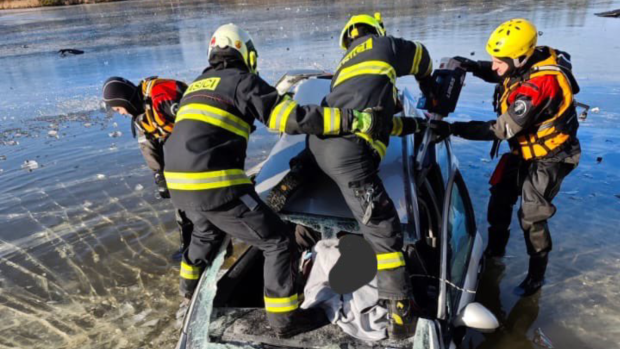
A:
452, 229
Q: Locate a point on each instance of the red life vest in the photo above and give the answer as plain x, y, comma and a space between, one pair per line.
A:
158, 93
548, 136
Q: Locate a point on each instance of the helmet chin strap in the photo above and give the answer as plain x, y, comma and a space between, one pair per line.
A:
520, 61
514, 64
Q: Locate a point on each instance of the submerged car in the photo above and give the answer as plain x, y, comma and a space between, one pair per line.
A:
442, 244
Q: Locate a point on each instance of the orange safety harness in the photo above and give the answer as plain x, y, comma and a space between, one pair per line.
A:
151, 122
549, 135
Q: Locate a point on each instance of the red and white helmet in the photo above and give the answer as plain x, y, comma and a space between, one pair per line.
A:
230, 35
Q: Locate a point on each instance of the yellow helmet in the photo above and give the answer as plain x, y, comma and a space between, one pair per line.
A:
349, 30
515, 39
230, 35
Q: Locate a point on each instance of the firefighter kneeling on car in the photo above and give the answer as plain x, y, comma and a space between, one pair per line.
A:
534, 101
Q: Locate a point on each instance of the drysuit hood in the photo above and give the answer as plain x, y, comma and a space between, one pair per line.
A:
120, 92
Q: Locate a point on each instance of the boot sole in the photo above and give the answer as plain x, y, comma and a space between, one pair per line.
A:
280, 194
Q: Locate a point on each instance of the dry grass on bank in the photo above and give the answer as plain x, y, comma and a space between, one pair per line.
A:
15, 4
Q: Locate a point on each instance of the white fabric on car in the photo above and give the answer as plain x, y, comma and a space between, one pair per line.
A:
356, 313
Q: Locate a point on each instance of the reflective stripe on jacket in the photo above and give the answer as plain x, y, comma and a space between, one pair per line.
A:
366, 76
205, 155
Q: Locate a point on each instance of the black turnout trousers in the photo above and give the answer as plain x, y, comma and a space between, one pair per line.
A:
252, 221
354, 166
537, 183
185, 227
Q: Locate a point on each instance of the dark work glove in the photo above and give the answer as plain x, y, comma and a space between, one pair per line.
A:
420, 124
457, 128
441, 129
406, 125
162, 187
468, 64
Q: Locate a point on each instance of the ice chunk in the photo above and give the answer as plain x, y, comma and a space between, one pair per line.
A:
100, 176
88, 124
30, 165
139, 187
595, 110
151, 323
141, 316
53, 133
126, 309
541, 340
11, 143
115, 124
115, 134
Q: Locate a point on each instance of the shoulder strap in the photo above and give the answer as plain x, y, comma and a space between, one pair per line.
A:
147, 87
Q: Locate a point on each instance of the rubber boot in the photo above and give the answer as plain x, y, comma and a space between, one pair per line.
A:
402, 318
279, 195
498, 239
303, 167
535, 276
301, 321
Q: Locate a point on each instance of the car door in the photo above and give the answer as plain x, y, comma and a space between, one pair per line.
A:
458, 238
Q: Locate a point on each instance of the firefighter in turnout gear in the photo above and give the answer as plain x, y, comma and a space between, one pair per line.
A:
152, 106
205, 158
534, 101
366, 78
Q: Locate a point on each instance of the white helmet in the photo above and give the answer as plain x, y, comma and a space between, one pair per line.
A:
230, 35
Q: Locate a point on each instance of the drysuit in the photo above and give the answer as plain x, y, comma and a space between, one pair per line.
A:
153, 105
537, 115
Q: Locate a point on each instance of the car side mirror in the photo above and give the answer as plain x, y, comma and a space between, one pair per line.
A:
477, 317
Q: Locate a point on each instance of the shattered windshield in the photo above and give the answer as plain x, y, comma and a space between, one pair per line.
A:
212, 327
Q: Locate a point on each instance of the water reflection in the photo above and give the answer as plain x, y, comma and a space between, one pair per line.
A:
516, 324
520, 326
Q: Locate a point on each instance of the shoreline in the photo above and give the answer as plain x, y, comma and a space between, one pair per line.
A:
24, 4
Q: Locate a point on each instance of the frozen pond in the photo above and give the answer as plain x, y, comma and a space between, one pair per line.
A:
84, 249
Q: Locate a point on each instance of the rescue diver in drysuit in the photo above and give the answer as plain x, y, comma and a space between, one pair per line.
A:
152, 105
534, 101
366, 78
205, 159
